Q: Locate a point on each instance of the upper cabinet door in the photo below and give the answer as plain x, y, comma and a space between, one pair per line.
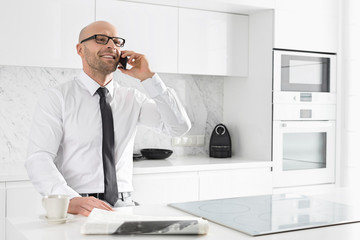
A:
212, 43
147, 29
43, 32
231, 6
310, 25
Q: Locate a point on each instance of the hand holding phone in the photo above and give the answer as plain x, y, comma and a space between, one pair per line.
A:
123, 62
139, 65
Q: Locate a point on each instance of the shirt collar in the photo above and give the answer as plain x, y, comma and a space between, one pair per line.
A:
92, 86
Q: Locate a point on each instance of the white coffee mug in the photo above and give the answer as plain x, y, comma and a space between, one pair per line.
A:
56, 206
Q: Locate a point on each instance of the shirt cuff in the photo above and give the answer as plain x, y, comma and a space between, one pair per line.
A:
154, 86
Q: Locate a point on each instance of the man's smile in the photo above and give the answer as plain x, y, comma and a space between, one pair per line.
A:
109, 56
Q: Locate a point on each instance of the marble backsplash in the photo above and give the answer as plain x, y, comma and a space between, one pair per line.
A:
20, 88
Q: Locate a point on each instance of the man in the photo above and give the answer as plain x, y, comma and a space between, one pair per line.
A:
69, 137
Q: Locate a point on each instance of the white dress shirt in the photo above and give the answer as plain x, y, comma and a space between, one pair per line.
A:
65, 145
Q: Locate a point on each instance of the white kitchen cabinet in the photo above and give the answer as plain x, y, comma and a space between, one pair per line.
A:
22, 200
234, 183
148, 29
310, 25
43, 32
165, 187
248, 102
2, 210
231, 6
212, 43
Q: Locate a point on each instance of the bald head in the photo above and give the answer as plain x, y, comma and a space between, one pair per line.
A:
98, 27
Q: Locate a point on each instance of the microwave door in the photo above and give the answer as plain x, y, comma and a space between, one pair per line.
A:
304, 72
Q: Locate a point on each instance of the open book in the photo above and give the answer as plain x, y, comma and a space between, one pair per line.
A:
107, 222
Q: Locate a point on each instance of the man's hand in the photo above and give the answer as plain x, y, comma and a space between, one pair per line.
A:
84, 205
140, 66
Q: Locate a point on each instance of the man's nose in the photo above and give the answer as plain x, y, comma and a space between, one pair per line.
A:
111, 44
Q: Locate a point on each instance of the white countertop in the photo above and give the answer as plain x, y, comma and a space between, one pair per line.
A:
15, 171
196, 163
33, 228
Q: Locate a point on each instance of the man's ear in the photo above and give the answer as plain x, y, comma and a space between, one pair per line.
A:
79, 49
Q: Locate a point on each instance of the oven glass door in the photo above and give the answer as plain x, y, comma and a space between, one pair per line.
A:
303, 152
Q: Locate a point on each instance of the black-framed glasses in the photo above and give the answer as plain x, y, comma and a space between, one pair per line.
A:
103, 39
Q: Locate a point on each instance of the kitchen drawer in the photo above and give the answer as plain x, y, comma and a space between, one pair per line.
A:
165, 187
235, 183
304, 97
22, 200
304, 112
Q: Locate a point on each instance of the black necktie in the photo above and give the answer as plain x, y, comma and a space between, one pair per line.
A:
111, 190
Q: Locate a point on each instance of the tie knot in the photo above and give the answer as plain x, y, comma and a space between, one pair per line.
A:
102, 91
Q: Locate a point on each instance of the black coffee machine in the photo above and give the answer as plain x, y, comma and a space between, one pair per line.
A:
220, 142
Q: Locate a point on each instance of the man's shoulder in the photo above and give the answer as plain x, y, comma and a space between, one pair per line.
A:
67, 87
59, 91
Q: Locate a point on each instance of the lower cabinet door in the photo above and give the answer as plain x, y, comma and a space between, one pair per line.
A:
2, 210
165, 187
22, 200
234, 183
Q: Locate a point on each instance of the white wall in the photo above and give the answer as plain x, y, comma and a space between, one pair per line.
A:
350, 76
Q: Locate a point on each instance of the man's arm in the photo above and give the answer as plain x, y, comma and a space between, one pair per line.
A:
44, 141
163, 111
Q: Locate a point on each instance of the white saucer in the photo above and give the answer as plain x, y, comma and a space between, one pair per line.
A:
57, 221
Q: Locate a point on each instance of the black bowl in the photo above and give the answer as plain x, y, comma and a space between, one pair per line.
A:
156, 153
138, 156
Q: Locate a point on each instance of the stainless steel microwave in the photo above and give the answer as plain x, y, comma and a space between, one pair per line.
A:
303, 77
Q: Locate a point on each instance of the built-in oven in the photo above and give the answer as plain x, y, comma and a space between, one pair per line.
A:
304, 77
304, 117
303, 152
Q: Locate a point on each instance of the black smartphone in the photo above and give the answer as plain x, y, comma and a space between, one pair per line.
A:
123, 62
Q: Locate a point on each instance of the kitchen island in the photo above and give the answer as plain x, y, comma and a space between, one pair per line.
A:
34, 228
176, 179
